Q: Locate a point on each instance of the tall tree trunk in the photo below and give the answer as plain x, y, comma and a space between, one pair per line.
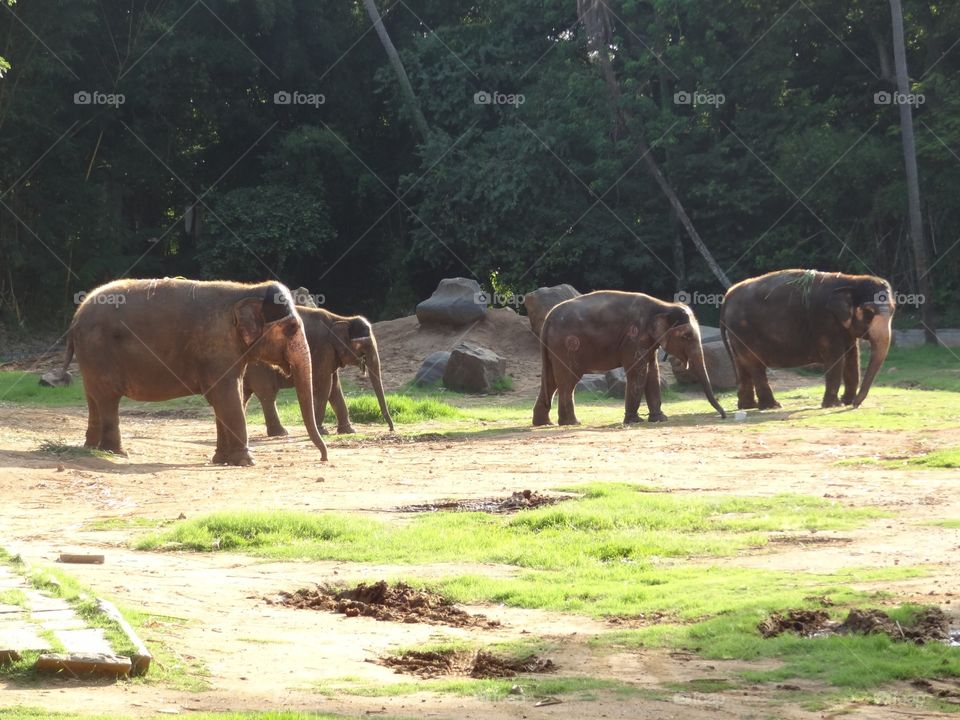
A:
921, 263
405, 88
594, 14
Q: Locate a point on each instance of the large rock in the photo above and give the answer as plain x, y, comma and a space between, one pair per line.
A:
56, 378
593, 383
474, 369
719, 367
539, 302
456, 301
617, 381
432, 369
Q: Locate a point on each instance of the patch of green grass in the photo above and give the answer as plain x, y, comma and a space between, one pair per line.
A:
611, 524
952, 524
24, 387
945, 459
927, 367
584, 688
848, 661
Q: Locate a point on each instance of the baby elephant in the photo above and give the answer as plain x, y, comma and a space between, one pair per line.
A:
608, 329
335, 341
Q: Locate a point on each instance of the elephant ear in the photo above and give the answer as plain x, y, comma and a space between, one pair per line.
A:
248, 316
840, 305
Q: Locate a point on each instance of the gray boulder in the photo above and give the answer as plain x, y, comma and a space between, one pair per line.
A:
593, 383
721, 371
539, 302
432, 369
617, 381
473, 368
56, 378
456, 301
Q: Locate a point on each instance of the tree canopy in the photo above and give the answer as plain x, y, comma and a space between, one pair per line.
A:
253, 139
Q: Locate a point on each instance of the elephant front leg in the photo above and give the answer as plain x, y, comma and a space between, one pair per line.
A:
232, 446
652, 391
636, 384
851, 374
339, 404
322, 383
833, 377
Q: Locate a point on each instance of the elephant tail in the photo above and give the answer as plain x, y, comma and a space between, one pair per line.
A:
68, 358
726, 343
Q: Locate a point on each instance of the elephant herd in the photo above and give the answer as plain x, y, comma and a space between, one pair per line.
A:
156, 340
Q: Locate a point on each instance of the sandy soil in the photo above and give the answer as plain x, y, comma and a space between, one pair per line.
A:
263, 656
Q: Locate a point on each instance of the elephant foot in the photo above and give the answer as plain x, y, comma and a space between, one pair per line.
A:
346, 430
747, 404
769, 405
106, 447
239, 456
829, 402
847, 399
323, 430
277, 432
632, 419
569, 421
658, 417
541, 417
542, 423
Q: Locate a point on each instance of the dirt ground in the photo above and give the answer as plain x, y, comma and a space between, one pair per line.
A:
262, 655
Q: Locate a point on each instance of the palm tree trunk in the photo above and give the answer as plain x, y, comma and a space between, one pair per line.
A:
405, 88
920, 260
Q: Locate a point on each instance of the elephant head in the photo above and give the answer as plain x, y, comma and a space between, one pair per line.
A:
356, 345
678, 333
865, 309
272, 333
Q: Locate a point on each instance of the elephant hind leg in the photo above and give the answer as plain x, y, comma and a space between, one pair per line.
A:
765, 398
746, 391
566, 409
548, 388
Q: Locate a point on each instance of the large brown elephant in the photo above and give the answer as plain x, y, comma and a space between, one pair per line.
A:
608, 329
161, 339
792, 318
335, 341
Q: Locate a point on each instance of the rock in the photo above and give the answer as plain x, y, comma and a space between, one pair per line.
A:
472, 368
432, 368
456, 301
56, 378
719, 367
708, 333
617, 381
303, 297
593, 383
539, 302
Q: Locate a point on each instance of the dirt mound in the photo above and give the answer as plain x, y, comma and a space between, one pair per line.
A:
517, 501
930, 625
480, 664
404, 343
382, 601
802, 622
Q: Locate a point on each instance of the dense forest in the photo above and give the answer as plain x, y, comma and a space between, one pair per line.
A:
535, 141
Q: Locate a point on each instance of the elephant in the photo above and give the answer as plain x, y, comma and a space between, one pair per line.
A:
335, 341
792, 318
607, 329
160, 339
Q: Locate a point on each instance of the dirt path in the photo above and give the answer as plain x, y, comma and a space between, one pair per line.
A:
263, 656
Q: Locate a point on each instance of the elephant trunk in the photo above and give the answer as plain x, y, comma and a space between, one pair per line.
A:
699, 367
372, 358
298, 357
880, 335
